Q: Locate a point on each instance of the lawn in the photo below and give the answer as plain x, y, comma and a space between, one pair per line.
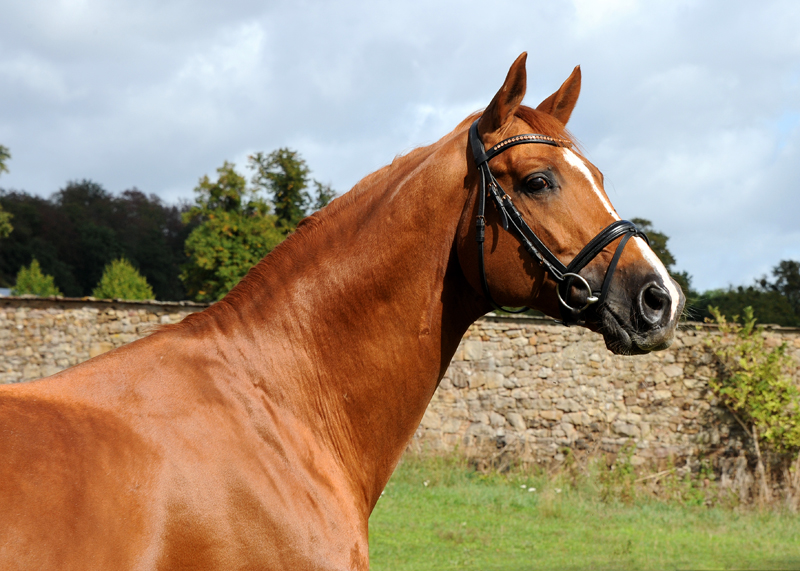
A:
440, 514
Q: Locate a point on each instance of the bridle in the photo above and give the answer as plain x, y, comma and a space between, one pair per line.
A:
511, 220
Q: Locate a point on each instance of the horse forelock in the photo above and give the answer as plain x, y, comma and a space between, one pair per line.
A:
544, 124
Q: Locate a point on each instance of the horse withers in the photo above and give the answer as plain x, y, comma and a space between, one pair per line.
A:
260, 433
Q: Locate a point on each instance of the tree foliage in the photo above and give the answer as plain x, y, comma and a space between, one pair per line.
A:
121, 280
5, 155
31, 281
5, 217
284, 175
775, 300
786, 283
83, 227
234, 230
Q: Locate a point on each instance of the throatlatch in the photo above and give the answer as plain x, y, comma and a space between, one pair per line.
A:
511, 220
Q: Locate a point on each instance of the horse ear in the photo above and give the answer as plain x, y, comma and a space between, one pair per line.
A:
562, 102
508, 99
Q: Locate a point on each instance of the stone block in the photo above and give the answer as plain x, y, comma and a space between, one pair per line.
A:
551, 414
516, 420
626, 429
431, 420
451, 426
473, 350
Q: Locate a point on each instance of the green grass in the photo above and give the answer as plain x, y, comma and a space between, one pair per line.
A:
466, 520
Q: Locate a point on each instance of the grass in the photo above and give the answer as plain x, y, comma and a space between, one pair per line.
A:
437, 513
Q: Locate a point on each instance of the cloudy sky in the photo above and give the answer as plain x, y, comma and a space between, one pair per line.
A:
690, 108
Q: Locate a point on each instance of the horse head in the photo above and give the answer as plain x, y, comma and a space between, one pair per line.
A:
549, 238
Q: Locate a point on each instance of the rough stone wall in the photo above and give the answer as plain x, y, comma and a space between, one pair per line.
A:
535, 387
39, 337
526, 385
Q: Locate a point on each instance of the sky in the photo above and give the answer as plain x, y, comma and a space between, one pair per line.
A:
690, 108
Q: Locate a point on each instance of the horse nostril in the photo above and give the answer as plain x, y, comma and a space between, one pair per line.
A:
653, 303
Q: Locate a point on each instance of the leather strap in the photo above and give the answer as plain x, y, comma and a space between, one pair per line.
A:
511, 220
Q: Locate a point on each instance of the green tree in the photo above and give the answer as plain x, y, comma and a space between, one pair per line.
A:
658, 243
323, 196
786, 283
234, 231
768, 306
5, 155
285, 176
5, 217
774, 301
81, 228
31, 281
121, 280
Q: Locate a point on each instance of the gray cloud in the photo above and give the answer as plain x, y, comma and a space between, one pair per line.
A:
690, 108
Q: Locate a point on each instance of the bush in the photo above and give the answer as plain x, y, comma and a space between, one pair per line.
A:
122, 281
753, 385
31, 281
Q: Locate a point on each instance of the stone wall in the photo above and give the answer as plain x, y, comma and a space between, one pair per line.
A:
521, 384
535, 387
41, 336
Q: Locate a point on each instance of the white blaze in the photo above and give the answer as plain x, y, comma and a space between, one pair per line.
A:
647, 253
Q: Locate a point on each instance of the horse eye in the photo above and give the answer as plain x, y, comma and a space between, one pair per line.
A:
537, 183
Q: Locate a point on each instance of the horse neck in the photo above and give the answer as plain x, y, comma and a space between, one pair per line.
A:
355, 317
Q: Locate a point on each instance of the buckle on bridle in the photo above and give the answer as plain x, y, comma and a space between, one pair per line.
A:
589, 300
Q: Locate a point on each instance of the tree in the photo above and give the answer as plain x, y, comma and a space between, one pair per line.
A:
323, 196
31, 281
787, 283
122, 281
81, 228
152, 236
774, 301
285, 177
768, 306
5, 154
5, 217
89, 213
234, 231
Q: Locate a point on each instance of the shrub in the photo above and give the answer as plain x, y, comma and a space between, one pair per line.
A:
753, 385
31, 281
122, 281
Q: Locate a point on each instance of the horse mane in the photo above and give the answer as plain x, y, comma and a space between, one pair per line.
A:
312, 228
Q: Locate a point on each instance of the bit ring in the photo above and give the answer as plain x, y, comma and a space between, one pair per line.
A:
589, 300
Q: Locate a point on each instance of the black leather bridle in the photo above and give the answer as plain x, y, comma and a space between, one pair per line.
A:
512, 221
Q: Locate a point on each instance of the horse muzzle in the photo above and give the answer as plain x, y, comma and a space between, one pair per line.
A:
640, 321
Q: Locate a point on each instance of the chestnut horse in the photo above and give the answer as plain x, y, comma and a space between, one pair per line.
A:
259, 433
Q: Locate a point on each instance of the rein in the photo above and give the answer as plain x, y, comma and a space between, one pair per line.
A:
512, 221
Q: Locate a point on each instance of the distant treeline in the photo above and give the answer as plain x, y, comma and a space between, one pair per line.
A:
195, 250
775, 299
82, 227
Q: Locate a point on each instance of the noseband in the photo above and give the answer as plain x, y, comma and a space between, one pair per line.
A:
512, 221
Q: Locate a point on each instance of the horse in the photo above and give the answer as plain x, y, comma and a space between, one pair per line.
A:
260, 432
